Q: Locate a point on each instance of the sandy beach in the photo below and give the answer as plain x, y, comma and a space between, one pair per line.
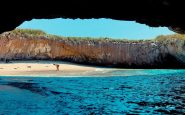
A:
47, 69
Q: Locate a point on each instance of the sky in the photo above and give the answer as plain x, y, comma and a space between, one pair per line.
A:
96, 28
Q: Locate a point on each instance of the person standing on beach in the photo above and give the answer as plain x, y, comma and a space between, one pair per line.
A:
57, 66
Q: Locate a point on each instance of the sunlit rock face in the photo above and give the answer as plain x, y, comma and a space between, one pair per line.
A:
131, 54
176, 47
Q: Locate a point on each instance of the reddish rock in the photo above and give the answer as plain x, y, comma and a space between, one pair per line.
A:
130, 54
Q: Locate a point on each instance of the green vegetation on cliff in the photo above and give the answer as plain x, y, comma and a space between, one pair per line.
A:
37, 33
174, 36
29, 32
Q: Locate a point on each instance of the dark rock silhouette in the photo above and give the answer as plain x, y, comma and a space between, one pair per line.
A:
154, 13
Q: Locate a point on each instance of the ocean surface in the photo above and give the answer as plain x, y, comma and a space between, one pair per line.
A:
144, 92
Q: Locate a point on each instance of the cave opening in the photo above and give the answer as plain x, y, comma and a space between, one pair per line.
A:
140, 70
96, 28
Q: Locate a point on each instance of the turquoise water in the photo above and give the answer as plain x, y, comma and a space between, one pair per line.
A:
148, 92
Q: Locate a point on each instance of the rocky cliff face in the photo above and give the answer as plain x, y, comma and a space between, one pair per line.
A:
168, 53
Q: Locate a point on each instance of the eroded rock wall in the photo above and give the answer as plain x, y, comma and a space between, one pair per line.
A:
131, 54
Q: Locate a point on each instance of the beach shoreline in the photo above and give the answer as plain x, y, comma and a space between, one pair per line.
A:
44, 68
47, 69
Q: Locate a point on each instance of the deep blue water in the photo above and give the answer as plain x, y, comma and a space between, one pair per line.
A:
158, 92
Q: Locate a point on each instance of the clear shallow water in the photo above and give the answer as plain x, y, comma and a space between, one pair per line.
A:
158, 92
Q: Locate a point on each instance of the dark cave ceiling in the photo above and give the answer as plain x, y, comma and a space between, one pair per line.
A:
154, 13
